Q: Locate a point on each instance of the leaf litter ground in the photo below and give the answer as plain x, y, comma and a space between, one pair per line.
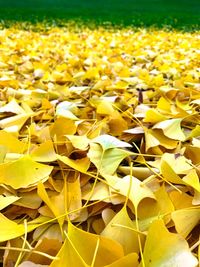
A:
99, 147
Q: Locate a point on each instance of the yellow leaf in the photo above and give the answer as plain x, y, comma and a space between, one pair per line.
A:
6, 201
12, 144
67, 110
29, 200
73, 198
82, 249
163, 206
171, 128
105, 107
101, 191
80, 165
134, 189
44, 153
106, 162
180, 200
10, 229
195, 132
79, 142
163, 248
180, 164
12, 107
185, 220
154, 138
122, 229
117, 124
51, 204
14, 123
164, 105
154, 116
130, 260
169, 174
62, 127
23, 172
48, 246
150, 140
107, 141
192, 179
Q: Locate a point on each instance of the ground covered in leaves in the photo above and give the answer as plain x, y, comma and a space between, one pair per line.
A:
99, 148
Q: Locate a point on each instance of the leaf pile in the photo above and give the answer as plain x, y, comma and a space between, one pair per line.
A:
99, 148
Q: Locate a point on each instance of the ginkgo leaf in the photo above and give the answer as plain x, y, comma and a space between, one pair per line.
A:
81, 165
162, 207
49, 232
105, 107
185, 220
108, 250
106, 162
29, 200
15, 123
155, 138
107, 141
139, 172
73, 197
180, 199
67, 110
38, 73
56, 210
164, 105
163, 140
12, 144
61, 127
130, 260
10, 229
163, 248
122, 229
6, 201
171, 128
195, 132
135, 130
150, 140
117, 124
45, 245
134, 189
193, 152
180, 164
78, 89
12, 107
192, 179
101, 191
196, 101
153, 116
169, 174
83, 249
73, 258
79, 142
107, 215
44, 153
23, 172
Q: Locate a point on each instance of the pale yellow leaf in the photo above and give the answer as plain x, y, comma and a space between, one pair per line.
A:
23, 172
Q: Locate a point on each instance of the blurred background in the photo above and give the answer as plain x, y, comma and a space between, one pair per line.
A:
175, 13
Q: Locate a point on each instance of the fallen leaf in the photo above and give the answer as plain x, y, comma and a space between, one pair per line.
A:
158, 248
24, 172
80, 249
